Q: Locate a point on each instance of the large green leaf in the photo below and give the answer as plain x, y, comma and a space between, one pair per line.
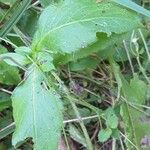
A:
72, 25
37, 112
101, 47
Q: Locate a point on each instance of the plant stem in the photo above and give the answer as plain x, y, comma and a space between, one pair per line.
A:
88, 141
142, 70
9, 42
145, 45
114, 144
128, 55
121, 143
65, 137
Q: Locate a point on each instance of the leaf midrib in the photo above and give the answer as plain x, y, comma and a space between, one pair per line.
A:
33, 105
74, 22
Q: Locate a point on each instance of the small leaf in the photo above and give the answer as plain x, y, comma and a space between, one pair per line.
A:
14, 59
111, 118
45, 61
37, 112
5, 101
115, 133
132, 92
23, 50
104, 134
9, 75
135, 84
77, 135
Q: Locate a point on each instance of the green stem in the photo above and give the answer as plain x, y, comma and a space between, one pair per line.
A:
145, 45
142, 70
66, 139
114, 144
88, 141
116, 72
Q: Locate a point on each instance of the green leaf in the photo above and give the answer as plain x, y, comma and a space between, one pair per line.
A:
14, 59
5, 101
136, 123
102, 46
8, 74
136, 126
18, 59
37, 112
68, 32
28, 22
104, 134
111, 118
45, 61
77, 135
132, 92
115, 133
117, 49
23, 50
46, 3
135, 84
84, 64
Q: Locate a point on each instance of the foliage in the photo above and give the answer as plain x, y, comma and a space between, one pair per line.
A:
69, 70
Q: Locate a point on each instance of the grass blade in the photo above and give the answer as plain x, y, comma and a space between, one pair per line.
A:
133, 6
17, 12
